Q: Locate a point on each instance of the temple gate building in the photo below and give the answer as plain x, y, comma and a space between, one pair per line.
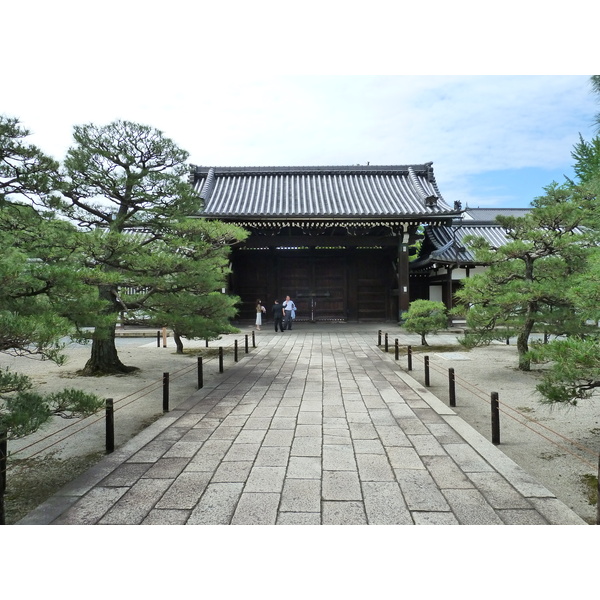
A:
336, 239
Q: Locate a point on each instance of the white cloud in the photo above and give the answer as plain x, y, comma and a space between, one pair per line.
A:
201, 73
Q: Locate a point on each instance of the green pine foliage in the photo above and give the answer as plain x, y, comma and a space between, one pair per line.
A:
523, 289
425, 317
574, 369
23, 411
111, 233
587, 159
548, 279
25, 171
126, 185
183, 289
43, 293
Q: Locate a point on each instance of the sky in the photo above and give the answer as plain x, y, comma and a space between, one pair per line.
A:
255, 84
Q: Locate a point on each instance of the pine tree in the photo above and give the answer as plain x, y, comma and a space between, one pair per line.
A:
573, 367
523, 288
44, 294
425, 317
126, 185
185, 294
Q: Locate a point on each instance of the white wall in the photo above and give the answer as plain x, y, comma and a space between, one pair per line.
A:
435, 293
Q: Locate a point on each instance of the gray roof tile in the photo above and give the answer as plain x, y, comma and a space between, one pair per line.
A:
488, 215
449, 246
330, 191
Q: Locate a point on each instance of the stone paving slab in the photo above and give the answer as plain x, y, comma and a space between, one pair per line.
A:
307, 429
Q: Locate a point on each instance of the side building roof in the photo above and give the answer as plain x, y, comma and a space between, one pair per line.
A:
322, 192
488, 215
446, 244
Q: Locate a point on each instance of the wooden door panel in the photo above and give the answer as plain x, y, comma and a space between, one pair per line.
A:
329, 302
317, 286
372, 291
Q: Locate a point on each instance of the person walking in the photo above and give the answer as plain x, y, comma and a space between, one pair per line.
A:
277, 316
260, 309
289, 313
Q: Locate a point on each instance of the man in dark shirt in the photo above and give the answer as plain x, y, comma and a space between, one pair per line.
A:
278, 316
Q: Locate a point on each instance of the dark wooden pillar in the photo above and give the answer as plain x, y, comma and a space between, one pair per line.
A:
449, 289
272, 279
352, 286
403, 278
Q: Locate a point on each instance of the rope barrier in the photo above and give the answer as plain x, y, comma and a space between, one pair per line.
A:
118, 405
553, 441
93, 421
476, 392
505, 408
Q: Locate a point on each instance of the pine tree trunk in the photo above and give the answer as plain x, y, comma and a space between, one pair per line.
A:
523, 345
178, 342
523, 337
104, 359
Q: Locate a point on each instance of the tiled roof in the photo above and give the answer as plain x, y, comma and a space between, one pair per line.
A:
330, 191
488, 215
445, 244
494, 235
450, 247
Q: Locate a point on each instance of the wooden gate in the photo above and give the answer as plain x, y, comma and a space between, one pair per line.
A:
317, 285
326, 286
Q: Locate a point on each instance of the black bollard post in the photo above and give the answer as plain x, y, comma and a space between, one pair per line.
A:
427, 371
495, 419
379, 338
158, 339
206, 342
235, 351
387, 347
396, 349
200, 374
220, 359
110, 426
246, 344
253, 340
451, 387
409, 356
165, 392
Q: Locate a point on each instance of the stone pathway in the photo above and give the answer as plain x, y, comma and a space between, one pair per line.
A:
314, 426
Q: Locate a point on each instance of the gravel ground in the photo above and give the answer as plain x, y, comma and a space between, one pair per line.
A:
558, 447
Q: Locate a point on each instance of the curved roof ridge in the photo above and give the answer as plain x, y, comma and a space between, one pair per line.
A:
424, 168
427, 198
209, 185
444, 248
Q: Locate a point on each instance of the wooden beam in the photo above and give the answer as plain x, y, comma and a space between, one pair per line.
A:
300, 241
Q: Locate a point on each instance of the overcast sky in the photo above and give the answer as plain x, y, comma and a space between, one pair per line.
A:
252, 84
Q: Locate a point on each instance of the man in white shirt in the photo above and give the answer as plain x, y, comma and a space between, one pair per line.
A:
290, 313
